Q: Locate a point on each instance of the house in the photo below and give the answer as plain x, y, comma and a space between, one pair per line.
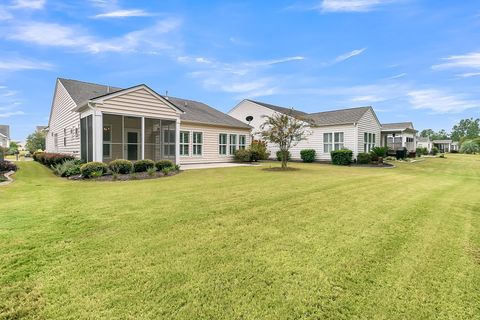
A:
399, 135
425, 142
101, 123
357, 129
4, 136
446, 145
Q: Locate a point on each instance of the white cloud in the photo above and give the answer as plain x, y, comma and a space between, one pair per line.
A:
440, 101
28, 4
349, 55
4, 14
469, 60
11, 114
367, 99
22, 64
352, 5
124, 14
397, 76
468, 74
148, 40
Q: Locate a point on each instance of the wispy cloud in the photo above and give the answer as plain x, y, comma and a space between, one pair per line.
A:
124, 14
5, 14
349, 55
468, 74
469, 60
28, 4
22, 64
149, 40
352, 5
11, 114
441, 102
397, 76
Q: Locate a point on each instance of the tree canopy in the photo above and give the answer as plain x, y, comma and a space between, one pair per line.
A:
466, 129
35, 141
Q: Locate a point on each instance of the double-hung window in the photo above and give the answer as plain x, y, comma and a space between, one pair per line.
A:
327, 142
368, 141
338, 140
184, 143
107, 141
222, 144
197, 143
242, 142
64, 137
233, 143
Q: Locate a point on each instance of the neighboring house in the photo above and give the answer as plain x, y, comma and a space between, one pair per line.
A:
425, 142
399, 135
4, 136
357, 129
446, 145
102, 123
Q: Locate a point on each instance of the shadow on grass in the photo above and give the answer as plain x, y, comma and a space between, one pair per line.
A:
280, 169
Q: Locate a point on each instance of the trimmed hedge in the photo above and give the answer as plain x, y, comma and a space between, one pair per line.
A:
52, 159
162, 164
67, 168
121, 166
308, 155
243, 155
143, 165
279, 155
342, 157
364, 158
258, 150
93, 169
6, 166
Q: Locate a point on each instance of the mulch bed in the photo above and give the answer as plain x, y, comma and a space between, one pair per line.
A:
127, 177
373, 165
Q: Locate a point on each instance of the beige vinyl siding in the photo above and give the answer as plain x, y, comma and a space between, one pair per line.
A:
368, 124
63, 119
138, 103
210, 152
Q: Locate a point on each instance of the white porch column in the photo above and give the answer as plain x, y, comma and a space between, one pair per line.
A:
404, 141
97, 136
143, 138
177, 141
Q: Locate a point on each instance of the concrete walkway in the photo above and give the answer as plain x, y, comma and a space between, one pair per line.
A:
215, 165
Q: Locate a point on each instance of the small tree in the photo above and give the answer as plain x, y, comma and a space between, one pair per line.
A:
285, 131
470, 147
35, 141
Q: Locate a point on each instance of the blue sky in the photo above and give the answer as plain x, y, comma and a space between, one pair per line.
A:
412, 60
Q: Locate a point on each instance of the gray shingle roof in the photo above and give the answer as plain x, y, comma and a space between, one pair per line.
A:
325, 118
423, 139
5, 130
397, 126
194, 111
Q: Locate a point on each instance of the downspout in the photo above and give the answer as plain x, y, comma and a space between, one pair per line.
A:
355, 144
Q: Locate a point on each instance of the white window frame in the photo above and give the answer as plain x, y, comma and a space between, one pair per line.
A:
327, 143
64, 137
369, 141
195, 144
183, 144
109, 142
232, 145
169, 143
223, 145
242, 145
340, 143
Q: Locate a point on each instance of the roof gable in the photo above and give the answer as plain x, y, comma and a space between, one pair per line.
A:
398, 126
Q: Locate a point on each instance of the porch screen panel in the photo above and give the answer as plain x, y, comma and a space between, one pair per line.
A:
153, 139
168, 134
89, 138
132, 128
113, 147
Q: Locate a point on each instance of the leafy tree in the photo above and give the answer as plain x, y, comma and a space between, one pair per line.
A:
13, 148
427, 133
285, 131
35, 141
466, 129
470, 147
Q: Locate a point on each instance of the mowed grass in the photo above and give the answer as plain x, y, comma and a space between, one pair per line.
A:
243, 243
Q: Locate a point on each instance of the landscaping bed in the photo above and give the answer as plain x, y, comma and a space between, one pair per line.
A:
127, 177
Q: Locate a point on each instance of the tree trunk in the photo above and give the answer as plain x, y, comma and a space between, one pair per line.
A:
284, 159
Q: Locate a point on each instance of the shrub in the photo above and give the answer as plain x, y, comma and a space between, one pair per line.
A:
6, 166
364, 158
177, 167
151, 171
52, 159
421, 151
243, 155
164, 164
2, 154
434, 151
308, 155
380, 151
93, 169
453, 151
341, 157
143, 165
121, 166
67, 168
167, 170
470, 147
279, 155
258, 150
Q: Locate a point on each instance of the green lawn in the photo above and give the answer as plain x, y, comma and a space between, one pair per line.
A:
242, 243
